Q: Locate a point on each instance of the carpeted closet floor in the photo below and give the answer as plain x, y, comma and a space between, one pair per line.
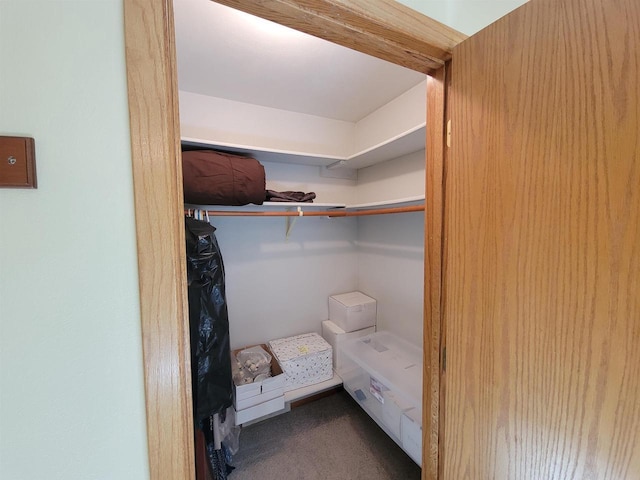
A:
331, 438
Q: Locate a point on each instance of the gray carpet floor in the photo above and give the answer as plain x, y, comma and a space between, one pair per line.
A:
331, 438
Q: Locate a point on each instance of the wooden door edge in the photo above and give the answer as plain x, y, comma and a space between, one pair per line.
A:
443, 293
432, 328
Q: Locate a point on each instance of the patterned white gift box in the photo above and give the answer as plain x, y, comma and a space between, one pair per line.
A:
305, 359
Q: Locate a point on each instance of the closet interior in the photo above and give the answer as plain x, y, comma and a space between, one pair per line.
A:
531, 249
320, 118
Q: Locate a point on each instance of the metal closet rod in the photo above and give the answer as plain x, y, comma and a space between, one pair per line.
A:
311, 213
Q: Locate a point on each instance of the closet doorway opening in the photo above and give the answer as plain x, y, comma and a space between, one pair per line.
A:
156, 160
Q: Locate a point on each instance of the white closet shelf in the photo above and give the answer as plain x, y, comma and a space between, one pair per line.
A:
291, 208
415, 200
405, 143
304, 392
264, 154
303, 204
276, 206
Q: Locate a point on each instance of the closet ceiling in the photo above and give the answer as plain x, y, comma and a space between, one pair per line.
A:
226, 53
229, 54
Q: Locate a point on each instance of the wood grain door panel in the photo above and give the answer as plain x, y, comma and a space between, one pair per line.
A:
542, 257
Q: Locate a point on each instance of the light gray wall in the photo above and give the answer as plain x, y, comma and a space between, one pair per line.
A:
466, 16
71, 380
391, 270
278, 287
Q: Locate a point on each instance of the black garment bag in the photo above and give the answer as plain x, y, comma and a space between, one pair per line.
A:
209, 330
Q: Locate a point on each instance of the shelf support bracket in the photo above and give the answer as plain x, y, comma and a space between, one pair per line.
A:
291, 221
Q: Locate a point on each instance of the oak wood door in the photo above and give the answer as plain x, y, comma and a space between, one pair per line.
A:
542, 246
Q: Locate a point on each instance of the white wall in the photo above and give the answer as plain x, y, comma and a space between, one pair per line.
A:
404, 113
71, 380
391, 270
399, 178
277, 287
466, 16
283, 177
230, 123
391, 247
314, 140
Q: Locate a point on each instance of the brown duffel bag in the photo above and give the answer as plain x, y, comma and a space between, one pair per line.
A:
216, 178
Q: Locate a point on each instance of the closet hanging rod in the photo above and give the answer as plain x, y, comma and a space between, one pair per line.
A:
384, 211
311, 213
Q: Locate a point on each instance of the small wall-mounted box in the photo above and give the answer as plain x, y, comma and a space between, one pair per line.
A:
17, 162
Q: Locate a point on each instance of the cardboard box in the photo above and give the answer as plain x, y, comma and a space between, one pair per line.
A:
305, 359
335, 335
352, 311
258, 392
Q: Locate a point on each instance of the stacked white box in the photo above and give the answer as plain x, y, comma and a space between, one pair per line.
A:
270, 407
305, 359
383, 373
352, 311
257, 399
335, 335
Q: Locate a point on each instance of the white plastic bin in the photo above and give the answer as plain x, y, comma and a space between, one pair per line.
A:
383, 373
335, 336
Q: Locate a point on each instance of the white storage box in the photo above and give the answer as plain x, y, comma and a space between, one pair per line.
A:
352, 311
336, 335
305, 359
260, 410
383, 373
266, 395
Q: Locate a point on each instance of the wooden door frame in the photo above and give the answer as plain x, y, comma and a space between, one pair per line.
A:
157, 177
433, 327
390, 31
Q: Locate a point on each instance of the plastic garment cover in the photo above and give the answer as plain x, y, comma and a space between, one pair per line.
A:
219, 460
208, 322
